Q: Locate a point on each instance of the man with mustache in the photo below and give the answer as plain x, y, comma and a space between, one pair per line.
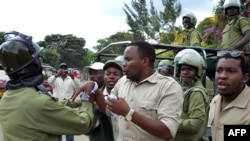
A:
148, 105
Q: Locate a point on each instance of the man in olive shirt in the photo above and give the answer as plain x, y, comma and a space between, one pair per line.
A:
191, 36
236, 34
27, 113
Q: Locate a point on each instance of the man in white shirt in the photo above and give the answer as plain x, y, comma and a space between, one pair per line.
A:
63, 83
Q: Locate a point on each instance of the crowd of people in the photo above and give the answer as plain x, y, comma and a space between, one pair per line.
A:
129, 100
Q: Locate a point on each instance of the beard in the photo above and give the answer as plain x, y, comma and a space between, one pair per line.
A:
132, 77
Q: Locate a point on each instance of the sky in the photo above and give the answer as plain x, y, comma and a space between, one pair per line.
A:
88, 19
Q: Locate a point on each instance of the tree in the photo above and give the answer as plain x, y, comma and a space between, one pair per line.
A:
149, 24
172, 10
50, 56
69, 47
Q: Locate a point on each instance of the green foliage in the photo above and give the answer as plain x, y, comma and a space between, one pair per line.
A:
50, 56
148, 23
117, 37
1, 39
69, 47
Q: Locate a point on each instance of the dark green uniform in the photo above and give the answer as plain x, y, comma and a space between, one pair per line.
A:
195, 113
28, 115
192, 37
234, 32
103, 132
103, 126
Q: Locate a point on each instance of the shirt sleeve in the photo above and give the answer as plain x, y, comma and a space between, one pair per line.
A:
51, 80
57, 118
170, 106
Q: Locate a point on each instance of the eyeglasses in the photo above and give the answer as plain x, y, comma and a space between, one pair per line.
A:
12, 34
233, 53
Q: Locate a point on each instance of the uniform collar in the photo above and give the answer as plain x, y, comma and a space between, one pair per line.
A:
150, 79
240, 101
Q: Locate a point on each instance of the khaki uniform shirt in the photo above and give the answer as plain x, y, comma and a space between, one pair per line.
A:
192, 37
28, 115
234, 31
237, 112
158, 97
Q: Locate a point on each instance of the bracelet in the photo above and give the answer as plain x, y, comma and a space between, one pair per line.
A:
94, 89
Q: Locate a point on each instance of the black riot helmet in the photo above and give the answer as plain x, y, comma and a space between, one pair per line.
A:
17, 51
19, 56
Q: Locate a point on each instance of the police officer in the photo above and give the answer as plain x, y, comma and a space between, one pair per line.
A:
165, 67
191, 36
236, 34
27, 113
190, 67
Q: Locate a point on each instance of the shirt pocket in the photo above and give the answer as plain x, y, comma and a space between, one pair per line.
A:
148, 108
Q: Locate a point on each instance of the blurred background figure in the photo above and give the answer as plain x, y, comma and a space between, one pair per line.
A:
236, 34
165, 67
192, 37
64, 85
95, 73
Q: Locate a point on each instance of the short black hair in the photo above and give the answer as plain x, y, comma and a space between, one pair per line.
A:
244, 63
145, 50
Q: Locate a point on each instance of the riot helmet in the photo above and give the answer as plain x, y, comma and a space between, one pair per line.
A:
17, 51
120, 59
192, 18
191, 58
166, 64
231, 3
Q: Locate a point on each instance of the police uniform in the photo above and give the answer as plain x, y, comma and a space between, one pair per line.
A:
28, 115
102, 130
192, 37
195, 113
234, 32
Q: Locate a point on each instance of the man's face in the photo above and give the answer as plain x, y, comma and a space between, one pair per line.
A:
188, 74
132, 63
111, 76
97, 76
186, 22
232, 11
164, 71
64, 71
228, 77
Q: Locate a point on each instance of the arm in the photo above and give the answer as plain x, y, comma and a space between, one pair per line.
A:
152, 126
57, 118
168, 112
52, 79
98, 96
195, 114
244, 41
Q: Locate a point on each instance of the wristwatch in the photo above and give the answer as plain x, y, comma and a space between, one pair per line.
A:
128, 117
